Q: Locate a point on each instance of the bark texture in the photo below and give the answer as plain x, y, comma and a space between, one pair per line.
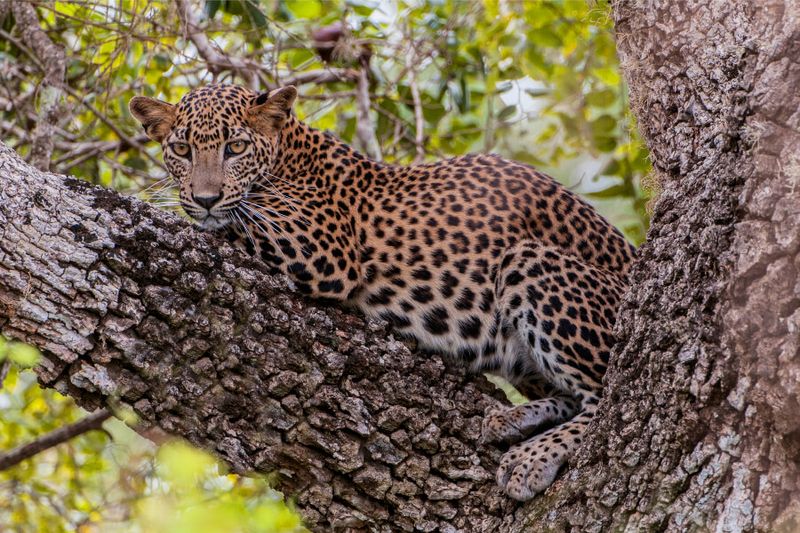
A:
131, 305
699, 429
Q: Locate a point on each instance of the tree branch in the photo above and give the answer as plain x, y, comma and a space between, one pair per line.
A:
328, 75
366, 137
52, 61
419, 119
130, 302
5, 366
54, 438
216, 61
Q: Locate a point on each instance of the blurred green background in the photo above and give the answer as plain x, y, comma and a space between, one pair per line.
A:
535, 81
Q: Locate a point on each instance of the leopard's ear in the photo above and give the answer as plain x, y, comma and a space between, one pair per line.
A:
156, 116
270, 111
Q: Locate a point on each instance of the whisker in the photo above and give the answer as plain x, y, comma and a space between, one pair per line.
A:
269, 234
250, 213
279, 194
247, 231
287, 201
164, 180
271, 211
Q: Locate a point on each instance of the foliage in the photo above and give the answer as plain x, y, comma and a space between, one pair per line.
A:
114, 480
19, 353
534, 81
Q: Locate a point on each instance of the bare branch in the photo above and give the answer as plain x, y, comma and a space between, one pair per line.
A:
52, 61
54, 438
76, 153
217, 62
419, 137
5, 366
366, 137
64, 88
329, 75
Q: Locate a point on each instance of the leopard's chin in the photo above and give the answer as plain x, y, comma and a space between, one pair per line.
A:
212, 223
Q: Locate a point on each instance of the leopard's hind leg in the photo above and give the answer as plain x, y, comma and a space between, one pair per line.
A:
556, 315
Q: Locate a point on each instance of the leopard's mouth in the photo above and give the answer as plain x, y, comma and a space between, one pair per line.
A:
212, 222
206, 219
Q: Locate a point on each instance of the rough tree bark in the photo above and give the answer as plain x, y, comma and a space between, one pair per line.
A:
698, 428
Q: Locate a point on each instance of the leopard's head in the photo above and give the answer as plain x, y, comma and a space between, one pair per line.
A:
218, 141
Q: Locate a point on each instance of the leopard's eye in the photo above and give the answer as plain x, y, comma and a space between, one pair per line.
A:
181, 149
235, 148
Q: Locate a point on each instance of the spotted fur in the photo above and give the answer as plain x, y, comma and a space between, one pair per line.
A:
483, 259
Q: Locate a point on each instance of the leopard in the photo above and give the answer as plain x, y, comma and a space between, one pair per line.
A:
487, 261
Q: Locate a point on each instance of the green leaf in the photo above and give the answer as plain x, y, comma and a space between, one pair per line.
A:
602, 98
134, 161
544, 36
183, 464
608, 75
605, 144
507, 112
211, 7
254, 14
304, 9
162, 62
603, 125
24, 355
296, 58
612, 192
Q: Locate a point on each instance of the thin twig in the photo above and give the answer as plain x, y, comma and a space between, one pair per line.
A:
5, 366
76, 151
104, 119
54, 438
329, 75
113, 127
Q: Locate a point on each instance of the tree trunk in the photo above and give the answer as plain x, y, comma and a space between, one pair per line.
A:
698, 427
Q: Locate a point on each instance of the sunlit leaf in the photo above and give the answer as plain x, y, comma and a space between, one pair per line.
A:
602, 98
304, 9
183, 464
23, 354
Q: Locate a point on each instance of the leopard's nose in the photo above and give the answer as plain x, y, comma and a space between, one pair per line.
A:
206, 201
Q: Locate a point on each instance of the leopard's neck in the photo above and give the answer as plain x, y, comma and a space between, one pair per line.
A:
303, 151
336, 191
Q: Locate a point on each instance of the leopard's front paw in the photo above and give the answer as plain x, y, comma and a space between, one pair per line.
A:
526, 470
517, 423
502, 425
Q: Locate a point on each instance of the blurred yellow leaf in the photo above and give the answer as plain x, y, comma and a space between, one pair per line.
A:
182, 464
23, 354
